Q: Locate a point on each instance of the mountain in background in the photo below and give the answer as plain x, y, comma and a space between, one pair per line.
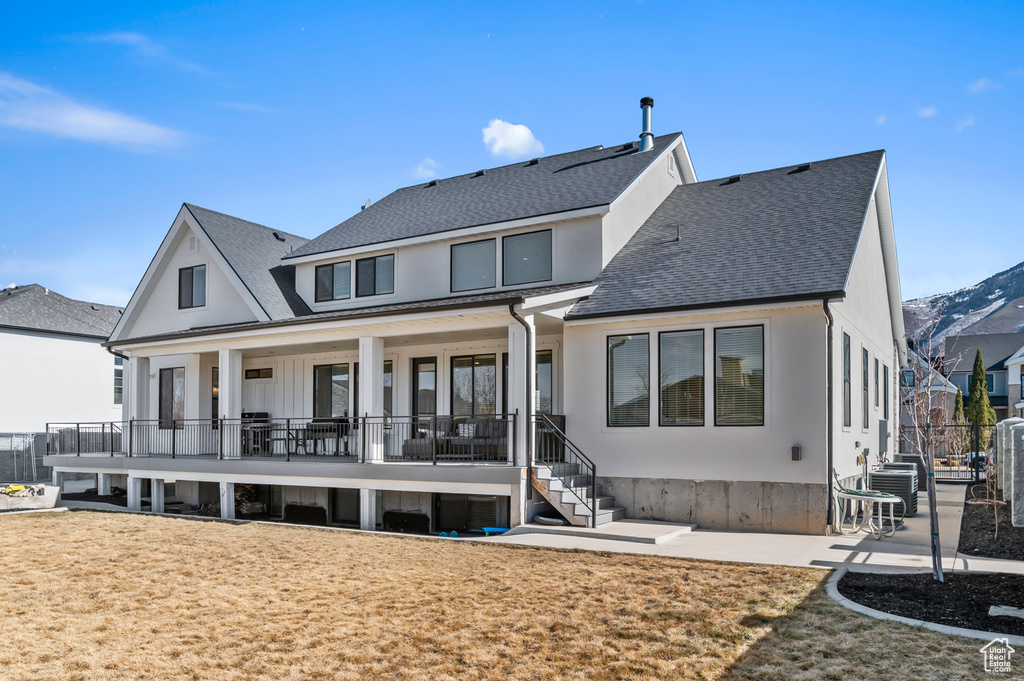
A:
996, 305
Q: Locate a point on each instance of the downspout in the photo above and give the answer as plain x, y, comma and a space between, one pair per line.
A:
115, 353
529, 391
828, 417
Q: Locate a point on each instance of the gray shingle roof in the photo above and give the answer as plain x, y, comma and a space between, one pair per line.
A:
773, 235
559, 183
995, 348
34, 307
255, 254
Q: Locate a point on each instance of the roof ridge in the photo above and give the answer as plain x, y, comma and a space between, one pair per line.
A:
249, 222
21, 288
789, 165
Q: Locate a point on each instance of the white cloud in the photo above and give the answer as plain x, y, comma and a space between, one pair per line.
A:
510, 139
982, 85
880, 119
146, 48
928, 112
963, 124
28, 106
426, 169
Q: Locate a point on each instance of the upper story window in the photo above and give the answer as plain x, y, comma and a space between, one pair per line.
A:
118, 379
334, 281
473, 265
526, 258
847, 377
864, 387
989, 381
375, 276
191, 287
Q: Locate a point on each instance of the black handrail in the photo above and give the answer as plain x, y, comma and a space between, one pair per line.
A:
581, 459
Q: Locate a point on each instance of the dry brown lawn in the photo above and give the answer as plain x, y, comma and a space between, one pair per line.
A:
90, 595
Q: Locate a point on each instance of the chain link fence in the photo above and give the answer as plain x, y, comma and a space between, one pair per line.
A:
21, 457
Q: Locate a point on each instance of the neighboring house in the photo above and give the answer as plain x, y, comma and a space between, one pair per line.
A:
714, 348
926, 396
52, 362
997, 351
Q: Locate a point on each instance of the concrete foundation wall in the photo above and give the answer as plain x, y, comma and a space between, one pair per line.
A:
796, 508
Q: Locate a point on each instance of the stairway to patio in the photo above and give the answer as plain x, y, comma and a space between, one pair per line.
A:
574, 494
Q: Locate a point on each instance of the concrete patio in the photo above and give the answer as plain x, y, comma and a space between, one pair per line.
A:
908, 551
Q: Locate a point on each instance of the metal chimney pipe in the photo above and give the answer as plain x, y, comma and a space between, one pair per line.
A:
647, 137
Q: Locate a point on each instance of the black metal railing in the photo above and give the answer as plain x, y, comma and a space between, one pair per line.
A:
363, 439
958, 451
93, 438
554, 451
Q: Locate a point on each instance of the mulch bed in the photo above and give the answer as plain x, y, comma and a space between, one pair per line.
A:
962, 600
977, 530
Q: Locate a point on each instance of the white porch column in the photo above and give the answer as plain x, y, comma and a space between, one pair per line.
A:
156, 495
227, 500
229, 395
103, 484
518, 365
371, 394
134, 493
367, 509
58, 479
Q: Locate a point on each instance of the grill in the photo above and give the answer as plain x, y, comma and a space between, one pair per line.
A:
901, 483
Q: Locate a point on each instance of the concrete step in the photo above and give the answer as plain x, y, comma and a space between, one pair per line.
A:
603, 504
608, 515
625, 530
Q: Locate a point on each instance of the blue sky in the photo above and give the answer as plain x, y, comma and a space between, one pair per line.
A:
293, 114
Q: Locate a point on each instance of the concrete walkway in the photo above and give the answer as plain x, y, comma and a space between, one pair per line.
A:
908, 551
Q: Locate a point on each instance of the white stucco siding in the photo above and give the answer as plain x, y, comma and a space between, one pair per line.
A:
794, 368
157, 310
423, 272
632, 209
46, 378
864, 315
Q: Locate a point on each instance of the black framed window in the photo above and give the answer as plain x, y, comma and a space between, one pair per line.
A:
739, 376
474, 385
526, 258
847, 383
172, 397
265, 372
865, 379
629, 380
191, 287
375, 276
989, 382
876, 382
118, 380
885, 391
681, 378
331, 390
424, 386
388, 382
542, 383
334, 281
473, 265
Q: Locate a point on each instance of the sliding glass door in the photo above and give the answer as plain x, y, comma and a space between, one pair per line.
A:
474, 385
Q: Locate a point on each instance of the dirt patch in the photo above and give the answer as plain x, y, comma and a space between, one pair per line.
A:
961, 600
977, 530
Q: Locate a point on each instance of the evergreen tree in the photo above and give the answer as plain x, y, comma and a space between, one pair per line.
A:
958, 411
979, 410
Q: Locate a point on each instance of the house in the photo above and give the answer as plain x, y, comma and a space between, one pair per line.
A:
594, 334
926, 396
1003, 357
52, 361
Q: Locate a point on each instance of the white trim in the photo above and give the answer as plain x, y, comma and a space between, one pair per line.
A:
558, 299
640, 317
451, 235
638, 180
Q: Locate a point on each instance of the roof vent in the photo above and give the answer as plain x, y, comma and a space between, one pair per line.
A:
95, 308
480, 173
802, 168
432, 183
191, 243
627, 146
646, 136
533, 162
366, 205
732, 180
278, 236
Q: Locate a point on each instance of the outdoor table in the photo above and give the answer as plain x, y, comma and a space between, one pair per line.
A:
873, 508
